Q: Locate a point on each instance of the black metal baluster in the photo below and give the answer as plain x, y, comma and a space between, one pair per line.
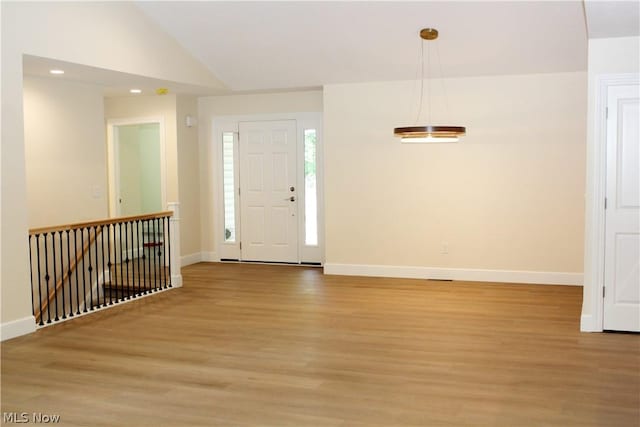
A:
69, 273
126, 260
150, 253
121, 267
156, 237
91, 269
53, 263
144, 259
75, 254
133, 263
160, 253
55, 274
109, 264
140, 285
64, 311
84, 272
47, 277
33, 295
96, 264
137, 249
39, 277
104, 272
97, 267
169, 247
163, 254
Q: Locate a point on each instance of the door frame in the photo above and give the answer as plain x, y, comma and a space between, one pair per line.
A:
221, 124
594, 247
113, 169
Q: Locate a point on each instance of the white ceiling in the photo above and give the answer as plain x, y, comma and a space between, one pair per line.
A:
114, 83
277, 45
612, 18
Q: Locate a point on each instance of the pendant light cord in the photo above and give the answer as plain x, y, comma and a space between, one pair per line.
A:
429, 94
444, 87
421, 80
428, 82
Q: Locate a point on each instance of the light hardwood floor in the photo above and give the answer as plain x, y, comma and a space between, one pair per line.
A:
261, 345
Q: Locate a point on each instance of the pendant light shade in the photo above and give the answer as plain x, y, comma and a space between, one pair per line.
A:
428, 133
421, 134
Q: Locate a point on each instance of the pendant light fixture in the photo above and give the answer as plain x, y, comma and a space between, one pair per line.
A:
428, 133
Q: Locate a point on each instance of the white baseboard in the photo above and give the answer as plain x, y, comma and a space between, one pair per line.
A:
210, 257
588, 324
466, 274
199, 257
186, 260
18, 327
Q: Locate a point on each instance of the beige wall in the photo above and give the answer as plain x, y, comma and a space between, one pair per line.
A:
606, 56
182, 163
111, 35
508, 197
213, 107
188, 176
267, 103
65, 152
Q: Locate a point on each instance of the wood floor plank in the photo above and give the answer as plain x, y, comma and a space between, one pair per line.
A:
262, 345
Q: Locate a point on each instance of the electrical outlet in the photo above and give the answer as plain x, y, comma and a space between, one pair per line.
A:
444, 249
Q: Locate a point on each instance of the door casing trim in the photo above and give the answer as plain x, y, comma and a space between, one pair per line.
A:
304, 120
594, 250
112, 151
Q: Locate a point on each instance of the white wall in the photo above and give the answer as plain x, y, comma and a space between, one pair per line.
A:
606, 57
508, 198
111, 35
65, 152
213, 107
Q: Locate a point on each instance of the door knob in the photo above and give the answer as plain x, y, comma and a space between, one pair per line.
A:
292, 188
291, 199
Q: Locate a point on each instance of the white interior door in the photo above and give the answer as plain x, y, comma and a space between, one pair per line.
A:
622, 217
268, 192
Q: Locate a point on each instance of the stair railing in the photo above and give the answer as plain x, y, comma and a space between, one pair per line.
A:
82, 267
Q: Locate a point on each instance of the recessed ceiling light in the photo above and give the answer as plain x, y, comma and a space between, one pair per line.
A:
135, 91
56, 71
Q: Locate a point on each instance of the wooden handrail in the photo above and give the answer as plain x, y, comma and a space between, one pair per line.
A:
72, 267
77, 225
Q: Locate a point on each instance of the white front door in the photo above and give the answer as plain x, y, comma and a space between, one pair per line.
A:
268, 193
622, 217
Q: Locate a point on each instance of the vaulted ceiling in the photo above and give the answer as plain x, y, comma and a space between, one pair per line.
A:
282, 45
268, 46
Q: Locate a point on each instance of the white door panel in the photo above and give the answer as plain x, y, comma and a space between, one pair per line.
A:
622, 218
268, 206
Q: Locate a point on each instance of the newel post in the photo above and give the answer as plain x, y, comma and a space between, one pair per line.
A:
174, 231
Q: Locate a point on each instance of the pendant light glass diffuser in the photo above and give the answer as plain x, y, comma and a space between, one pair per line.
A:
428, 133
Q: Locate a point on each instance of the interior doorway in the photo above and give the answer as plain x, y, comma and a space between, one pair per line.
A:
136, 167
